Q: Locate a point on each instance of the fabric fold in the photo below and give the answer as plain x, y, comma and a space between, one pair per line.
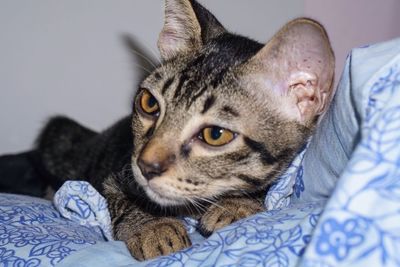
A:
80, 202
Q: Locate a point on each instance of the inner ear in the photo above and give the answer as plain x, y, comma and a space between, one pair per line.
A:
181, 32
306, 94
298, 63
187, 26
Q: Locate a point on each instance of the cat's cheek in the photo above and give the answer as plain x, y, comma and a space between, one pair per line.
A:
163, 199
165, 193
146, 124
138, 175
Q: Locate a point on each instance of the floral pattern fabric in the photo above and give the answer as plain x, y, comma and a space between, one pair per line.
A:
360, 225
80, 202
272, 238
33, 233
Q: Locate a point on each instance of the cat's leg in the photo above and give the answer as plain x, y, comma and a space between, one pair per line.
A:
146, 236
228, 210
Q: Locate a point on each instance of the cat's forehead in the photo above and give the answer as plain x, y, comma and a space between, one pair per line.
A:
218, 56
191, 77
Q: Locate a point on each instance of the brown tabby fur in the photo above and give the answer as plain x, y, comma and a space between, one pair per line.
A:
270, 96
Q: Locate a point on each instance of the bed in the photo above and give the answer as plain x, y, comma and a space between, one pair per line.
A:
338, 204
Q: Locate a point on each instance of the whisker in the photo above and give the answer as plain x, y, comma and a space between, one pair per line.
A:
143, 68
189, 206
197, 206
214, 203
155, 54
151, 62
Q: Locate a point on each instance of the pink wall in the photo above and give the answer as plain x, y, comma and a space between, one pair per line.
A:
355, 23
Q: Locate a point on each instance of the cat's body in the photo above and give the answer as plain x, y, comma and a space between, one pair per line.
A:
71, 151
211, 128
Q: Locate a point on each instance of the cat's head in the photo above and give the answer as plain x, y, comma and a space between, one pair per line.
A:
224, 114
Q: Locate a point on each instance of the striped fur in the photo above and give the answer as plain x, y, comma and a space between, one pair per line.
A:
152, 169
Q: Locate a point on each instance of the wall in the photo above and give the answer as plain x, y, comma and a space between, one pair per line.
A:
67, 56
355, 23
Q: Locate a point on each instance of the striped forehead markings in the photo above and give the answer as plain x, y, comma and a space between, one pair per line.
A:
208, 104
231, 111
178, 88
167, 85
157, 75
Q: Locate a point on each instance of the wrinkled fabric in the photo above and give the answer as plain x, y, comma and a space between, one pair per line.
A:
360, 225
80, 202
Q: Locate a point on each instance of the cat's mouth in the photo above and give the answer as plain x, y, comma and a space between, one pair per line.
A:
165, 198
158, 190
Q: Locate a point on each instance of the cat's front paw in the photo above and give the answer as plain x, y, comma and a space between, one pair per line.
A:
227, 211
157, 238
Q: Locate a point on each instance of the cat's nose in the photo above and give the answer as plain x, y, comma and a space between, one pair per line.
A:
152, 169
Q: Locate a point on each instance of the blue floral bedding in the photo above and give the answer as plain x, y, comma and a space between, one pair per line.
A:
33, 233
337, 205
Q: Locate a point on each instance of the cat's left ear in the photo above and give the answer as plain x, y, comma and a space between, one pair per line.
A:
187, 26
297, 64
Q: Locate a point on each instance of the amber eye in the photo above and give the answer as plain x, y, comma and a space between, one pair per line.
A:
216, 136
148, 103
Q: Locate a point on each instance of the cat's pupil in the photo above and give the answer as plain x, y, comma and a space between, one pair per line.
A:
216, 132
151, 102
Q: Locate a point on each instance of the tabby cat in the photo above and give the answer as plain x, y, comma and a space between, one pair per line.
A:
211, 128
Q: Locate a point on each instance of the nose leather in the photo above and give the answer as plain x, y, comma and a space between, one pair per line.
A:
151, 169
155, 158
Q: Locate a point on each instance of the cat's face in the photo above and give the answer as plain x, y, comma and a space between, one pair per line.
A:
221, 115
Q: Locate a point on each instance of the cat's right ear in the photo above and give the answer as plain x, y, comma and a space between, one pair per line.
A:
297, 65
187, 26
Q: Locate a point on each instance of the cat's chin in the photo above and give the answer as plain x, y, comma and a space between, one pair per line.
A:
152, 191
163, 200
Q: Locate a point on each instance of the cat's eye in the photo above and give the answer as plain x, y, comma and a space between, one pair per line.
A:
148, 103
216, 136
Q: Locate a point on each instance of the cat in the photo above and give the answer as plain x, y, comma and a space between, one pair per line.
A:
211, 128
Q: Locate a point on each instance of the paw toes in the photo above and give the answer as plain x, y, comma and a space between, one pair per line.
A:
158, 239
217, 217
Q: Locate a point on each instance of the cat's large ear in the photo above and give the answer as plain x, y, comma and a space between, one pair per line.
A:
187, 26
298, 65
